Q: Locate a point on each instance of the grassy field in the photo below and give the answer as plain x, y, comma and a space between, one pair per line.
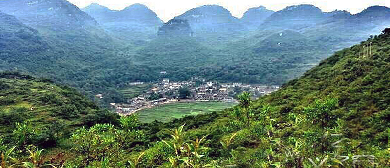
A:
167, 112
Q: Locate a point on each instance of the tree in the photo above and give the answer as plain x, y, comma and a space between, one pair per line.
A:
155, 96
320, 112
129, 122
245, 103
245, 99
386, 31
99, 142
184, 93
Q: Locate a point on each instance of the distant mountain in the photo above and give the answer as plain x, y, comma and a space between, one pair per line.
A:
342, 29
98, 12
339, 14
254, 17
295, 17
53, 38
372, 17
134, 22
175, 28
374, 13
56, 15
59, 21
16, 37
213, 23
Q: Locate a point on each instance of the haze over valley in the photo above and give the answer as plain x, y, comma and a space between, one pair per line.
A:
99, 50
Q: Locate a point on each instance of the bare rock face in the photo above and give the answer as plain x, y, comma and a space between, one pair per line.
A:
175, 28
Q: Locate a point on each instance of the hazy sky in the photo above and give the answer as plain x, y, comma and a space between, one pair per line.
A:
167, 9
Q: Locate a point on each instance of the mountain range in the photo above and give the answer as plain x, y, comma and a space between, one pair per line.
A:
98, 50
136, 22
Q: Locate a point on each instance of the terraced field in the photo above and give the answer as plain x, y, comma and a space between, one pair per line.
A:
134, 91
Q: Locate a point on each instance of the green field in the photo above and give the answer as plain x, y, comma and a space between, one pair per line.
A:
167, 112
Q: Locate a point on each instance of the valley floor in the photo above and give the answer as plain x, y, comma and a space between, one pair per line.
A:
168, 112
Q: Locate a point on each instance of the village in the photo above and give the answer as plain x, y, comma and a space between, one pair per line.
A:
193, 90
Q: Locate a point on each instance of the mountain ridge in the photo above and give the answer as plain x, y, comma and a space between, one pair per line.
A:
135, 22
254, 17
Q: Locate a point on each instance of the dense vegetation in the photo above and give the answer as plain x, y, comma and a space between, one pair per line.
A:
336, 115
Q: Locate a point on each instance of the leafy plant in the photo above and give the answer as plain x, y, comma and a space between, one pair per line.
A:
35, 156
23, 133
6, 158
135, 163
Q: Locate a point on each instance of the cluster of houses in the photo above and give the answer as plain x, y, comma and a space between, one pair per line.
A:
200, 90
212, 92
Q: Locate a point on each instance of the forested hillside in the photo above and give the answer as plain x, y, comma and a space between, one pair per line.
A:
43, 111
335, 115
16, 37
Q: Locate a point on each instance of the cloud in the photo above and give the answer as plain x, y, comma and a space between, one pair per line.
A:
167, 9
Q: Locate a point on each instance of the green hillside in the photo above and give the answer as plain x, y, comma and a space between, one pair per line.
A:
337, 113
49, 111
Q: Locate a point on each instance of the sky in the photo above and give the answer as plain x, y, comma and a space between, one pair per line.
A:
167, 9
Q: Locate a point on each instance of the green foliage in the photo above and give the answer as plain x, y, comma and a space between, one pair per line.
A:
155, 96
186, 154
96, 143
36, 159
245, 99
321, 112
135, 163
244, 112
130, 122
6, 158
184, 93
42, 113
23, 134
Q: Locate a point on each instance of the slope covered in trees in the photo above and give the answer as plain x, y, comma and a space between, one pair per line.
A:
16, 37
44, 111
